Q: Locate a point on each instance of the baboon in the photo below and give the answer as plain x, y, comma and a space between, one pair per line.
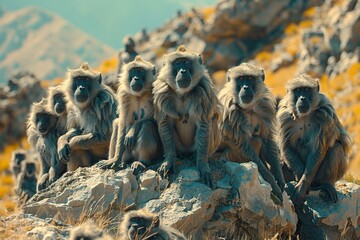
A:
128, 54
91, 111
187, 111
135, 134
140, 224
43, 135
88, 231
249, 121
313, 143
26, 181
17, 158
57, 104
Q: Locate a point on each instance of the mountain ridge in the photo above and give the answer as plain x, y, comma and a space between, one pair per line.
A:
37, 40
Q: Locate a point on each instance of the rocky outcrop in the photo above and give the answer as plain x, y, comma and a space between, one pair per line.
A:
329, 220
15, 101
332, 44
242, 199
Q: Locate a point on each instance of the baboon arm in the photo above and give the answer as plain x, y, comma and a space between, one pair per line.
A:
88, 141
67, 137
120, 147
313, 163
272, 157
295, 163
167, 138
263, 170
202, 141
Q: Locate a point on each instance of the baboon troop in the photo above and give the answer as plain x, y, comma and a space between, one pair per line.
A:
298, 142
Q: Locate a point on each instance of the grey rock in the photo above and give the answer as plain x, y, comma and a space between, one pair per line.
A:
84, 192
350, 30
331, 219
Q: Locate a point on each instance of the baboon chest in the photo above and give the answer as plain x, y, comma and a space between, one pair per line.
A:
140, 109
302, 131
255, 122
186, 124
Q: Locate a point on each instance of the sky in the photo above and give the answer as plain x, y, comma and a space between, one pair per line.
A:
110, 20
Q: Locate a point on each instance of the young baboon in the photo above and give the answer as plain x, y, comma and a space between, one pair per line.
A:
248, 124
17, 158
26, 181
313, 143
91, 112
57, 105
88, 231
135, 134
187, 111
140, 224
43, 135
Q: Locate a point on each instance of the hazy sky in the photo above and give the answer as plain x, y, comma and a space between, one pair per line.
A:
110, 20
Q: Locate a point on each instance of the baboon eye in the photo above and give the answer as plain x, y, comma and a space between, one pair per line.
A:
306, 89
186, 61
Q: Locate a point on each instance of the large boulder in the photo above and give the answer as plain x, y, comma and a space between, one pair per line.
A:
185, 204
332, 220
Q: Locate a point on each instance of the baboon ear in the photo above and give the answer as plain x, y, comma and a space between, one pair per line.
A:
200, 59
100, 78
262, 76
154, 71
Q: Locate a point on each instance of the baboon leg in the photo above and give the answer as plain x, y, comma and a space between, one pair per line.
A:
148, 146
79, 159
256, 143
332, 168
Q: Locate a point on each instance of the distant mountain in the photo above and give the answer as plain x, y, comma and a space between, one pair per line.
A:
39, 41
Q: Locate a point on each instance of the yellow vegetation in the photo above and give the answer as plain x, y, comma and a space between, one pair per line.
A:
309, 13
208, 12
108, 65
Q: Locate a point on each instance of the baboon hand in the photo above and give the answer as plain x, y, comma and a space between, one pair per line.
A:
52, 176
64, 153
206, 176
165, 167
137, 167
105, 164
43, 182
298, 194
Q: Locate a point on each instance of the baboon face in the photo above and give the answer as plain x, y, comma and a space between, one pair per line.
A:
19, 158
137, 78
302, 99
59, 103
182, 70
303, 94
44, 122
246, 88
83, 88
138, 226
30, 169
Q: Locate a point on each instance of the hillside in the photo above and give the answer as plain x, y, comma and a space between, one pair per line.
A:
286, 37
35, 40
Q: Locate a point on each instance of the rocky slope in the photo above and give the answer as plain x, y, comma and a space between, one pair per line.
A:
35, 40
285, 37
